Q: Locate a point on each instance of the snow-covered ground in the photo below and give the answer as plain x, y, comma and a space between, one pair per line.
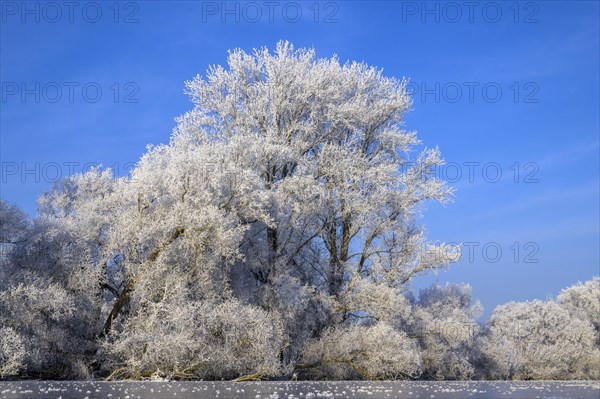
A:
298, 390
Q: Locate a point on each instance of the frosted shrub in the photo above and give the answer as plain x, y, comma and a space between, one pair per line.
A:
12, 352
197, 340
368, 352
44, 315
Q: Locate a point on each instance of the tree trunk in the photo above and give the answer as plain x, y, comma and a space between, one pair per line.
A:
118, 306
124, 296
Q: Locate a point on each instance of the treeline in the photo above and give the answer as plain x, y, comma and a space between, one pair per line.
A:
51, 329
275, 236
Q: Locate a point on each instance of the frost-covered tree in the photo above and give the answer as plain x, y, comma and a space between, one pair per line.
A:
14, 226
327, 145
51, 298
539, 340
177, 232
443, 319
582, 300
13, 223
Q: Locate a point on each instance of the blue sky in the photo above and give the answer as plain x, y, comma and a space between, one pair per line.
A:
503, 87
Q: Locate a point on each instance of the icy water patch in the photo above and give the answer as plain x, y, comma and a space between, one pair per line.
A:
298, 390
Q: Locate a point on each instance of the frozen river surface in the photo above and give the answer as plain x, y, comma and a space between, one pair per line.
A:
298, 390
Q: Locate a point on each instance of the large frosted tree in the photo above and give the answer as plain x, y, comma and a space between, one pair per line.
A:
289, 195
326, 145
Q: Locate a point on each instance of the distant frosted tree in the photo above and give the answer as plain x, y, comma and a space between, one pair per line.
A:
13, 223
582, 300
539, 340
443, 319
14, 226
